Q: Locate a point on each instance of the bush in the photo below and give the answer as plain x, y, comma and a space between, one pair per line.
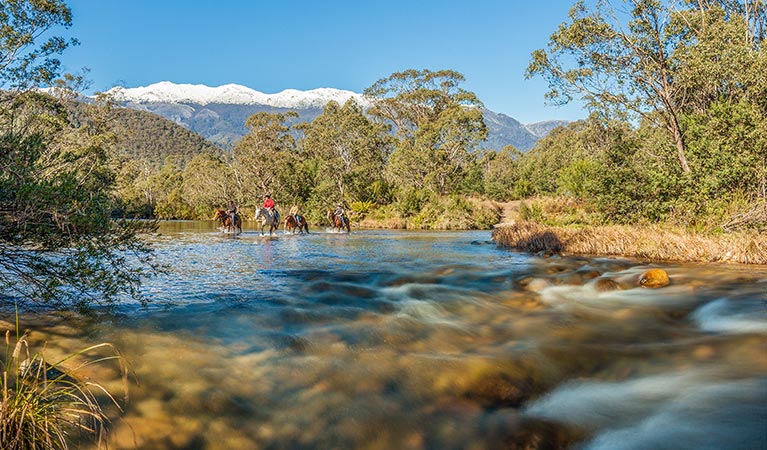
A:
44, 404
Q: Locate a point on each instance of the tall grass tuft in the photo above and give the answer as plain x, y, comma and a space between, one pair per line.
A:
651, 242
46, 406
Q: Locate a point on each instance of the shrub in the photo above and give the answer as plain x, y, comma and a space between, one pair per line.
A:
44, 404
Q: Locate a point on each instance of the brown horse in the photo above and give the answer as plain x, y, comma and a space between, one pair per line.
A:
226, 221
296, 223
338, 223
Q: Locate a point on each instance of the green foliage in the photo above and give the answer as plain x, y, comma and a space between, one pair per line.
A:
152, 138
263, 160
670, 60
361, 208
576, 179
729, 149
411, 201
454, 212
531, 211
58, 245
207, 184
437, 124
500, 173
25, 62
350, 152
558, 211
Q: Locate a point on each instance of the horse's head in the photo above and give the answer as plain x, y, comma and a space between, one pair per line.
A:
260, 213
220, 214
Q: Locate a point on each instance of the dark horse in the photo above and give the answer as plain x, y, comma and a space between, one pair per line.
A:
226, 221
296, 223
338, 223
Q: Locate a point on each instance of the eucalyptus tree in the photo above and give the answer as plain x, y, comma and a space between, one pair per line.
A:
500, 172
649, 63
25, 62
265, 159
437, 125
58, 245
350, 152
205, 184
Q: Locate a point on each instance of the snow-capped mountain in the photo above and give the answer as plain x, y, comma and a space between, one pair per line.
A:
219, 113
232, 94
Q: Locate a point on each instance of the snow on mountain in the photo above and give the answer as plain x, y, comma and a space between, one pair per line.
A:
233, 94
219, 113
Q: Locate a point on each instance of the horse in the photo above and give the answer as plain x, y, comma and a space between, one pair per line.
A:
298, 222
226, 221
338, 223
267, 218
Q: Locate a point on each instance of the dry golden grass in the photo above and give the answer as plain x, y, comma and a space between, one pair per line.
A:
650, 242
394, 223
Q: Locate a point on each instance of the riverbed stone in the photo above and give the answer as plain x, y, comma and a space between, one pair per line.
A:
537, 284
499, 390
653, 278
605, 285
537, 434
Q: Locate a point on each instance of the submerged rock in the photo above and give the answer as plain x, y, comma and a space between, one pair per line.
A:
605, 285
653, 278
499, 390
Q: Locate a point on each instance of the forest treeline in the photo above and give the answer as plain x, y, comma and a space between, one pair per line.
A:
416, 147
676, 134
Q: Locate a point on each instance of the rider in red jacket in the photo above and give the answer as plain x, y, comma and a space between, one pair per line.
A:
269, 203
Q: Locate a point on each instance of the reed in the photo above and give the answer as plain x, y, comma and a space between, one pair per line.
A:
651, 242
47, 406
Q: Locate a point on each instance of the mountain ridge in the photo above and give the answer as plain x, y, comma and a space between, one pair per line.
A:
219, 113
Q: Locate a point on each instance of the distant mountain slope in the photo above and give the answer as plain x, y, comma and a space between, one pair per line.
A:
541, 129
151, 137
218, 114
154, 138
503, 130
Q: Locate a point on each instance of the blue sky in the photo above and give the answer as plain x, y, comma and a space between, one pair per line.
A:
300, 44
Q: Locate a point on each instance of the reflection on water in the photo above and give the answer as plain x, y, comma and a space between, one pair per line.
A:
434, 340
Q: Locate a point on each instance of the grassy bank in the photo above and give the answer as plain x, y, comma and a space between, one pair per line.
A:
652, 242
439, 213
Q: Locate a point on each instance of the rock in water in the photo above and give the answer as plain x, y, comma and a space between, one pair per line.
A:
605, 285
653, 278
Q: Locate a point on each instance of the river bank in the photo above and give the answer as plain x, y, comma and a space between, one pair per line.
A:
649, 242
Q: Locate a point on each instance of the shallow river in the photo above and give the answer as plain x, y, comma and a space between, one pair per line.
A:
431, 340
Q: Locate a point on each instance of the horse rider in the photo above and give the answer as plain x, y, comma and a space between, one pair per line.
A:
269, 205
294, 212
231, 211
340, 213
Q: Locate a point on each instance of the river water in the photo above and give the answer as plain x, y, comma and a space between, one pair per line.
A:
431, 340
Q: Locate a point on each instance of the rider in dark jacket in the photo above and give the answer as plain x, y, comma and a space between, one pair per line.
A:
340, 213
231, 211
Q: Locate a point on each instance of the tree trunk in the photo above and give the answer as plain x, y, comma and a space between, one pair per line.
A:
680, 145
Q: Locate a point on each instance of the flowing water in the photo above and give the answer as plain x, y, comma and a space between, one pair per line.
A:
431, 340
